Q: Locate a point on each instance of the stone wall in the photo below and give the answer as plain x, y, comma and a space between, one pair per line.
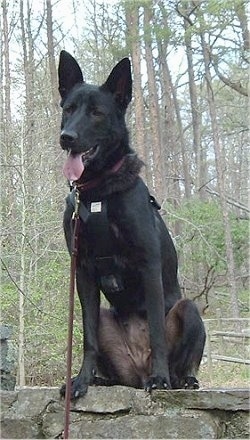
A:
121, 412
7, 359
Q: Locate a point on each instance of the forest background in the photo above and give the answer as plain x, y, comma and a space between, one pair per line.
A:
188, 121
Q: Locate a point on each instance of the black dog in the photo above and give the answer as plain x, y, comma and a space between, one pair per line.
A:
125, 250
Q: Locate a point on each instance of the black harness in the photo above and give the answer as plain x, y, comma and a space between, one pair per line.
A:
103, 249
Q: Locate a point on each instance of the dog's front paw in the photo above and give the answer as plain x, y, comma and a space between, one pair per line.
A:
78, 388
191, 383
157, 382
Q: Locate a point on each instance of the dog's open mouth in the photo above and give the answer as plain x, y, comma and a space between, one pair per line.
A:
76, 162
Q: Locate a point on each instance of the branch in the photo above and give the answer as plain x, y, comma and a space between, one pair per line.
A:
229, 200
208, 284
187, 12
233, 85
196, 228
26, 296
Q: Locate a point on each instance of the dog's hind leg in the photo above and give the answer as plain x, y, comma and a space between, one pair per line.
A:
186, 339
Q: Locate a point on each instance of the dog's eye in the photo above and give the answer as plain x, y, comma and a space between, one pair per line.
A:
97, 112
69, 109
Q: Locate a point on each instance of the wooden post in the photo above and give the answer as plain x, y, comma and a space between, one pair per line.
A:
209, 353
221, 339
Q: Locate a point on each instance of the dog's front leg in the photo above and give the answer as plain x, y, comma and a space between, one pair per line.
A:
154, 298
89, 296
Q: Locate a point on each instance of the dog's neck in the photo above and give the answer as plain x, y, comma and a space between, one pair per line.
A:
120, 177
95, 182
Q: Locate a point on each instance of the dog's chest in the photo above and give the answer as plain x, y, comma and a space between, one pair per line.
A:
101, 241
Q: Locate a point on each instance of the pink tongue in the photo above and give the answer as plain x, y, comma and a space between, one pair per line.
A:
73, 167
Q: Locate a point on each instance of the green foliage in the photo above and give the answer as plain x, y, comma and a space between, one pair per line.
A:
46, 320
8, 302
202, 240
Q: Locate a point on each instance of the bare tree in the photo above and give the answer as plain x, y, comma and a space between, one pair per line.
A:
51, 55
23, 269
179, 124
201, 172
133, 42
153, 104
220, 166
169, 130
7, 84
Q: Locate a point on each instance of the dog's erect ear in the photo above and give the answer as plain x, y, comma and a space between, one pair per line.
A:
119, 83
69, 73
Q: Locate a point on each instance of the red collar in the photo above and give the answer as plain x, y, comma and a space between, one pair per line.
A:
93, 183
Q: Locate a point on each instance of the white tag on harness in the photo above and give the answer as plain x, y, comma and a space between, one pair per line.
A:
96, 207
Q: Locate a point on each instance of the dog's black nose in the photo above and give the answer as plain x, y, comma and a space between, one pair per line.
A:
68, 137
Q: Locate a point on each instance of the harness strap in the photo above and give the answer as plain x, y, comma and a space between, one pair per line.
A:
97, 228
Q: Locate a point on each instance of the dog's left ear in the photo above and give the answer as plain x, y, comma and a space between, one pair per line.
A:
119, 83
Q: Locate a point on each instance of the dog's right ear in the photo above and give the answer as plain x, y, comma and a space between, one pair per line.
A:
69, 73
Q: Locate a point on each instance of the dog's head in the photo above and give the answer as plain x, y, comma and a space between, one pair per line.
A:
93, 128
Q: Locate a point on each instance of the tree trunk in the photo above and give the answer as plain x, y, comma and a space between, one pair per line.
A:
169, 140
21, 335
51, 54
54, 126
201, 174
28, 175
240, 9
133, 42
185, 160
179, 125
7, 83
155, 137
29, 66
220, 166
6, 133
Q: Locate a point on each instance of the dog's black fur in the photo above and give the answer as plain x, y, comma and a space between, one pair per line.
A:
142, 285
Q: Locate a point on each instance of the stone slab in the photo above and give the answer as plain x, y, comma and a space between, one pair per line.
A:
222, 399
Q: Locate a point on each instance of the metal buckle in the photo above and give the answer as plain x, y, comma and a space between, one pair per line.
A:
77, 205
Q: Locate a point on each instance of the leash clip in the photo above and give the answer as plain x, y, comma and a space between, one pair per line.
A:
77, 205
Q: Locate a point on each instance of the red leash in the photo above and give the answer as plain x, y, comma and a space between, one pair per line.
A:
74, 251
